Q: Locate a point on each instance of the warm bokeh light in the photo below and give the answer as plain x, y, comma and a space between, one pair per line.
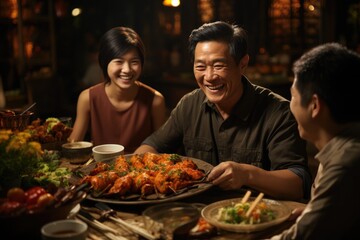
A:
171, 3
76, 12
206, 10
29, 46
13, 11
262, 50
311, 7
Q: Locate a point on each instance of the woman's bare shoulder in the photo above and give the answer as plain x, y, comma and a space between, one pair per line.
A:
84, 96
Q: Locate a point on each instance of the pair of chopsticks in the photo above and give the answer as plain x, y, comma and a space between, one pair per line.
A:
111, 214
253, 204
107, 231
105, 211
134, 228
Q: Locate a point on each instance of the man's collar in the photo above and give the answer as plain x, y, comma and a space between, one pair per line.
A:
246, 104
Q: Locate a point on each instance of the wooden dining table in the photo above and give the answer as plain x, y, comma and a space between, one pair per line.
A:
132, 213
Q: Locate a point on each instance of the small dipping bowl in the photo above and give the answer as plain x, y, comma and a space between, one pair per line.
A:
68, 229
77, 152
176, 219
107, 152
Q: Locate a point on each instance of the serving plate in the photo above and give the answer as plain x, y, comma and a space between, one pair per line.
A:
153, 198
209, 213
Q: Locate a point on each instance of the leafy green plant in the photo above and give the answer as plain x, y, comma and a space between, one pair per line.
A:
19, 156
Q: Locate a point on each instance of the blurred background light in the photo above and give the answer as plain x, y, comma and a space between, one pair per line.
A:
171, 3
76, 12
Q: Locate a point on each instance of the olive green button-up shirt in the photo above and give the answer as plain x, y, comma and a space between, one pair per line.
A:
334, 210
260, 131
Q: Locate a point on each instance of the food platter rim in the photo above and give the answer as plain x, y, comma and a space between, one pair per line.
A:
203, 187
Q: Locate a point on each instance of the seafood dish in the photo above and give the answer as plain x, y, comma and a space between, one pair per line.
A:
143, 176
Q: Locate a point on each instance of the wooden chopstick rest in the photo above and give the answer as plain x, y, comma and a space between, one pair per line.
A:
254, 203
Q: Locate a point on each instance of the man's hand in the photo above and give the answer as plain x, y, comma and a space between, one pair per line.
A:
229, 175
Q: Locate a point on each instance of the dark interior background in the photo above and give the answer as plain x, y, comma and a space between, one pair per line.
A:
45, 50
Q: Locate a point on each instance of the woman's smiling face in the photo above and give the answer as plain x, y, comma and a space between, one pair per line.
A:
125, 70
216, 72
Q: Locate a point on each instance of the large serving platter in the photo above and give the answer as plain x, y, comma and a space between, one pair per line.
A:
153, 198
210, 213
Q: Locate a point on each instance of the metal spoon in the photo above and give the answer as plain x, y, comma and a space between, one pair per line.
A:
28, 108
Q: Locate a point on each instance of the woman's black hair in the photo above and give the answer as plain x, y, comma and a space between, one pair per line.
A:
115, 43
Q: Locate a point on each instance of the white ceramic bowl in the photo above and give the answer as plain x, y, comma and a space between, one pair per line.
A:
107, 152
68, 229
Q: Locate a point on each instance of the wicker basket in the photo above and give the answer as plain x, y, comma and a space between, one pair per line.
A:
15, 122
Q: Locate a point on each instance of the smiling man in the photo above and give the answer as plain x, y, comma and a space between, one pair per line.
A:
246, 131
